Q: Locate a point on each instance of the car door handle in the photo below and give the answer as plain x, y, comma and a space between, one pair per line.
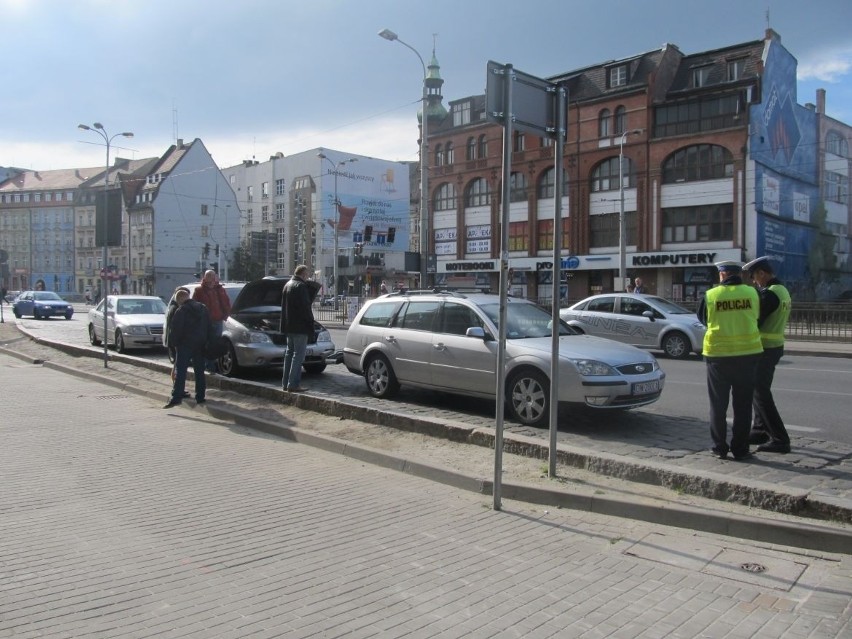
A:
439, 346
390, 338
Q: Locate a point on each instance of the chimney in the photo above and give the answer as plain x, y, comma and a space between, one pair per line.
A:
180, 143
820, 105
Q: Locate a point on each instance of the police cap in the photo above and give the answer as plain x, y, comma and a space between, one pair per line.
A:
761, 264
730, 266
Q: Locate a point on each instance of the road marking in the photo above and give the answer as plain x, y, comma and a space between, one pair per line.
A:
803, 429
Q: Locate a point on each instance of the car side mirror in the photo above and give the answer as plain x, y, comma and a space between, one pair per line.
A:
476, 331
649, 315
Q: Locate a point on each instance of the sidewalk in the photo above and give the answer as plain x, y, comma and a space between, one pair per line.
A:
663, 472
122, 521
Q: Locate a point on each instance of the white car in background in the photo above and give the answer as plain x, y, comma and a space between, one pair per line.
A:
645, 321
133, 321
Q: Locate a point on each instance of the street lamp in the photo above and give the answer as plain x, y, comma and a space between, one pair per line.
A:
101, 131
387, 34
622, 258
335, 166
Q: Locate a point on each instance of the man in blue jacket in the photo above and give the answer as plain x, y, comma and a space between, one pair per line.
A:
189, 330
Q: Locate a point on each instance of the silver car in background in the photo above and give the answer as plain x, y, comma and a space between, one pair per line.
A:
133, 321
645, 321
447, 342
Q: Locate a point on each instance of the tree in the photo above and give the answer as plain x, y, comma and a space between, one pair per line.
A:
244, 267
822, 261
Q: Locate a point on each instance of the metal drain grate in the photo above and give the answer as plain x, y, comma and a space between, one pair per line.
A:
112, 397
752, 567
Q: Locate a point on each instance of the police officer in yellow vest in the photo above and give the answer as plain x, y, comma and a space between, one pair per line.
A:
767, 428
732, 350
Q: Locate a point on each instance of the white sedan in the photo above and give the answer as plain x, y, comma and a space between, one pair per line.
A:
133, 321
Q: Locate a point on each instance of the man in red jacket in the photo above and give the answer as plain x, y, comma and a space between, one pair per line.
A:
213, 295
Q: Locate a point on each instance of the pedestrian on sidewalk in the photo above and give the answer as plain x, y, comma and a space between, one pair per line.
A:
213, 295
297, 323
767, 428
188, 334
732, 350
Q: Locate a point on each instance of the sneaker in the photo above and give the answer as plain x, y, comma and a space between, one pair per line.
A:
774, 447
721, 453
743, 457
296, 389
172, 403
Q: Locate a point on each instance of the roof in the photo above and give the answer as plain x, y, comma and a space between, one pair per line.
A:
49, 180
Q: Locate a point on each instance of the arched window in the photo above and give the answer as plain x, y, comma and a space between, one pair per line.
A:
698, 162
439, 155
449, 153
605, 123
477, 193
445, 198
518, 187
547, 184
471, 149
836, 144
605, 175
483, 147
620, 120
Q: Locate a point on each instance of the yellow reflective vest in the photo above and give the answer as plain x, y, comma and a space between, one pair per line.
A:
772, 329
732, 313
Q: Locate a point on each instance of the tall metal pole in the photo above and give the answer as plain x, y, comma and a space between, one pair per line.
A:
100, 130
387, 34
622, 257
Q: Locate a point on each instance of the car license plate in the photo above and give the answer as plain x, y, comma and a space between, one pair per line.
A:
643, 388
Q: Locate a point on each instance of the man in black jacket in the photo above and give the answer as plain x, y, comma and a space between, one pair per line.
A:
189, 330
297, 323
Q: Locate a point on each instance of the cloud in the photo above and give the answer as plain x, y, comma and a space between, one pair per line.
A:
826, 66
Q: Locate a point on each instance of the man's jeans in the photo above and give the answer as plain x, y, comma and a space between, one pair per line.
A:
183, 358
293, 358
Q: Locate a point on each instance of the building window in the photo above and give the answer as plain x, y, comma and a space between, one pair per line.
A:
547, 183
249, 217
836, 144
618, 76
250, 192
477, 193
698, 162
439, 155
470, 153
519, 236
836, 187
605, 175
483, 147
279, 211
604, 123
604, 229
708, 223
696, 116
445, 198
546, 142
264, 213
544, 229
736, 69
461, 113
518, 187
203, 209
264, 190
232, 179
449, 153
620, 120
518, 142
280, 187
700, 76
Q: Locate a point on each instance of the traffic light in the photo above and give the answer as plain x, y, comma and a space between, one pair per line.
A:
217, 250
391, 234
206, 250
368, 233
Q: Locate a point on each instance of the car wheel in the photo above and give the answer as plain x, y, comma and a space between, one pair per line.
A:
119, 343
93, 338
314, 369
36, 316
528, 397
380, 378
676, 345
228, 365
17, 313
69, 316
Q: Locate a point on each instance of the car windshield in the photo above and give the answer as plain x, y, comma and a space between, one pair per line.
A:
43, 296
669, 307
525, 320
141, 307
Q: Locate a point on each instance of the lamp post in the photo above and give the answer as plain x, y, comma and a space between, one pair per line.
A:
622, 258
387, 34
335, 166
100, 130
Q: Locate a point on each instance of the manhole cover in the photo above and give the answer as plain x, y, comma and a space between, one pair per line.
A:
752, 567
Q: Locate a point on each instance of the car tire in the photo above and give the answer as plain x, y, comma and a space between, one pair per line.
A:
314, 369
228, 365
68, 317
528, 397
120, 347
93, 339
17, 313
676, 345
36, 316
380, 378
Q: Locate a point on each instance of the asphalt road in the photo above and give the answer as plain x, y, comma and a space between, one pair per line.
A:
812, 393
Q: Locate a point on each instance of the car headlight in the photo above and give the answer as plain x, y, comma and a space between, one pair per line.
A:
136, 330
324, 336
257, 337
593, 367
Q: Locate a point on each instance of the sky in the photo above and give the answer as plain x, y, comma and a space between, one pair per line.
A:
252, 78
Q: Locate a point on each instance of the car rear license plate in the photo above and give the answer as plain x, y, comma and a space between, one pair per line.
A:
643, 388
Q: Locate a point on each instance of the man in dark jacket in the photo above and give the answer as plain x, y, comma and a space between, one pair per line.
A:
297, 322
189, 330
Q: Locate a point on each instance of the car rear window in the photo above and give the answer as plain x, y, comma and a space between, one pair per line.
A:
379, 313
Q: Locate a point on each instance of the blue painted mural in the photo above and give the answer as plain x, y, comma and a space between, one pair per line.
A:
784, 145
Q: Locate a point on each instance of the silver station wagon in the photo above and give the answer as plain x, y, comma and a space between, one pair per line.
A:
448, 342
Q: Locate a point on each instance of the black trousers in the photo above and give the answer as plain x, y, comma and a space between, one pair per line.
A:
731, 378
766, 417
